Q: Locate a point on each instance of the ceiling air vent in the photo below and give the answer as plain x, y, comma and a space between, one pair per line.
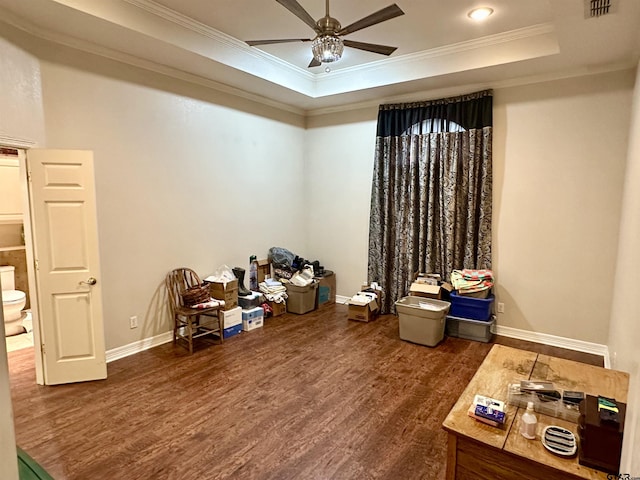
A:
598, 8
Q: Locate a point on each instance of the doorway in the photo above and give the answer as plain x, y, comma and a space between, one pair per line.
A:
15, 247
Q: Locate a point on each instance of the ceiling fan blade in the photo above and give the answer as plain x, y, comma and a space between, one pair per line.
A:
294, 7
383, 15
314, 63
370, 47
253, 43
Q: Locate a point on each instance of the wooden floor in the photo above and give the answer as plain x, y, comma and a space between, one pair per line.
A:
306, 397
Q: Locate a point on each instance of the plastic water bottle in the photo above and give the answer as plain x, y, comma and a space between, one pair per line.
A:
528, 423
253, 273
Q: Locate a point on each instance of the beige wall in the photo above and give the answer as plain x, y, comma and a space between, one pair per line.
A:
21, 114
20, 119
625, 325
184, 177
339, 162
559, 151
559, 154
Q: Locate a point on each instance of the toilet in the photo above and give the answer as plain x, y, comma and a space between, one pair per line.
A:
13, 301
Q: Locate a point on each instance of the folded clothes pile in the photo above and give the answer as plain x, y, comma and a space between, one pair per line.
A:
469, 281
274, 291
212, 302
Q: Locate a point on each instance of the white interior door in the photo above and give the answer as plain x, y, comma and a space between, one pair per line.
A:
65, 240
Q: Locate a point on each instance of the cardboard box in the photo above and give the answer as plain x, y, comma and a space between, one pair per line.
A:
264, 269
231, 331
326, 290
278, 308
426, 290
363, 310
253, 322
248, 314
231, 318
227, 292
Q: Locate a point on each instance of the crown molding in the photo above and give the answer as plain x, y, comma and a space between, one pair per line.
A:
427, 94
320, 84
219, 37
455, 48
105, 52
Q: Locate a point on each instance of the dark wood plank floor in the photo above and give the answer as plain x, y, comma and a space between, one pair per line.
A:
306, 397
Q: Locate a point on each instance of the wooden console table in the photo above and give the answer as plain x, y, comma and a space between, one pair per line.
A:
479, 451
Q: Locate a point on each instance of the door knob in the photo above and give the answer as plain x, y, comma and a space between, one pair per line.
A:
90, 281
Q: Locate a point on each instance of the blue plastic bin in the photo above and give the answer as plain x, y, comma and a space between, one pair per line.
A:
471, 307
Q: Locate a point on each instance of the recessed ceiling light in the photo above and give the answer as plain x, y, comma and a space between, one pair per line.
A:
480, 13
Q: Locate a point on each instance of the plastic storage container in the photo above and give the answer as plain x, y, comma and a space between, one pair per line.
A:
301, 299
478, 330
470, 307
422, 320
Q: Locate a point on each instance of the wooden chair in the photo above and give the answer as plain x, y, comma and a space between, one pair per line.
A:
187, 323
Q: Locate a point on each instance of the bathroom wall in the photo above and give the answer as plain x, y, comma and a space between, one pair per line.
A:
10, 234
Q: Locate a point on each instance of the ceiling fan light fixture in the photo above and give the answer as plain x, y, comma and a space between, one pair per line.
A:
480, 13
327, 48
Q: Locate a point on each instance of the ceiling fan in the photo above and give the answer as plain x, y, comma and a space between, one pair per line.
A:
327, 46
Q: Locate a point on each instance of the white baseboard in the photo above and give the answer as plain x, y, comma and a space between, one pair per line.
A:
544, 338
342, 299
554, 341
139, 346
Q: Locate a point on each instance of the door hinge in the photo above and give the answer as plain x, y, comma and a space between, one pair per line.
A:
29, 176
42, 345
35, 263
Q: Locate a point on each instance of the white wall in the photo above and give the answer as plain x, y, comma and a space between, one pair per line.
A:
339, 159
184, 177
559, 150
21, 120
625, 327
559, 154
21, 114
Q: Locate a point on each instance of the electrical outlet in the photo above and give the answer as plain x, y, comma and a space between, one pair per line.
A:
133, 322
500, 307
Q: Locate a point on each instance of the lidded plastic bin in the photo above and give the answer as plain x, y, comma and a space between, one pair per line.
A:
422, 320
478, 330
470, 307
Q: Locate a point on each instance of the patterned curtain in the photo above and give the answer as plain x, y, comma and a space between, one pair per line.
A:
431, 192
